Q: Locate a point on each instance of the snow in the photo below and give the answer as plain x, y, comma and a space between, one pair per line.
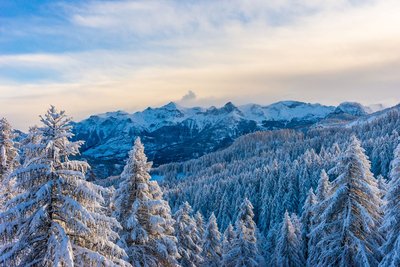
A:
152, 119
286, 110
353, 109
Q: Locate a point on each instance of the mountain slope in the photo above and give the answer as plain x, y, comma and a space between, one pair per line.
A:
275, 169
173, 133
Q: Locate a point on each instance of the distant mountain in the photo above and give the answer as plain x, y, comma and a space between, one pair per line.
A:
173, 133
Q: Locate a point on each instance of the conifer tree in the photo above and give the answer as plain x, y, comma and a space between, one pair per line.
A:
229, 236
383, 186
323, 188
307, 221
296, 224
147, 226
316, 232
199, 223
212, 249
30, 144
8, 161
391, 226
272, 238
58, 218
189, 240
288, 250
351, 219
243, 251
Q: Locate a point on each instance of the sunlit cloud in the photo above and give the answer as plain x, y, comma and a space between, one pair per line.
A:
102, 56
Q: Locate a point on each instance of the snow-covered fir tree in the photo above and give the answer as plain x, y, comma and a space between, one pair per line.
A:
391, 226
58, 218
351, 219
316, 233
324, 187
189, 240
307, 221
212, 247
147, 226
8, 161
262, 247
296, 224
270, 245
243, 250
29, 145
227, 239
198, 217
288, 250
383, 186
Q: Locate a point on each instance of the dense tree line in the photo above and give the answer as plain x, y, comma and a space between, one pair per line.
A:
281, 198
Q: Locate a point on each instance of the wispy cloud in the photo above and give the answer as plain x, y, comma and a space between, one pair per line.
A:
100, 55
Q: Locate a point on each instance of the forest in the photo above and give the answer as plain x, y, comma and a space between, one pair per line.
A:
328, 196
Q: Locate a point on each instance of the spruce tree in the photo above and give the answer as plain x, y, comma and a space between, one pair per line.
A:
323, 188
316, 233
307, 221
243, 251
391, 226
30, 144
227, 240
199, 223
351, 219
8, 162
189, 240
288, 250
58, 218
212, 249
147, 226
383, 186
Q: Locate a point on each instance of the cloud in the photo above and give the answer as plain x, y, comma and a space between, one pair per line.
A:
132, 54
189, 96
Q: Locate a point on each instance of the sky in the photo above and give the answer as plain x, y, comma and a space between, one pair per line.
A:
90, 57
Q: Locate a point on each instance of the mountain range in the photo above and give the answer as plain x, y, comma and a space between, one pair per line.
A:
173, 133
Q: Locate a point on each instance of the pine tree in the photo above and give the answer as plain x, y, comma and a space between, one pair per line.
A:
272, 238
383, 186
189, 240
199, 223
296, 224
316, 233
212, 250
351, 219
288, 251
307, 220
243, 251
57, 219
229, 236
323, 188
8, 162
148, 233
391, 226
30, 144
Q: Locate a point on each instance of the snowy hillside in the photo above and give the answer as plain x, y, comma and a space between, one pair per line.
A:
275, 167
280, 197
173, 133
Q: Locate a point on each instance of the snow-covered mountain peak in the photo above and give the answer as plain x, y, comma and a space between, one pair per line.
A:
230, 107
286, 111
352, 108
170, 106
175, 133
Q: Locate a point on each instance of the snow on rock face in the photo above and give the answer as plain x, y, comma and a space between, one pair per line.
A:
286, 111
352, 108
175, 133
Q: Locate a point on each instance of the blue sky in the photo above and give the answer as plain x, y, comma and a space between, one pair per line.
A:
96, 56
